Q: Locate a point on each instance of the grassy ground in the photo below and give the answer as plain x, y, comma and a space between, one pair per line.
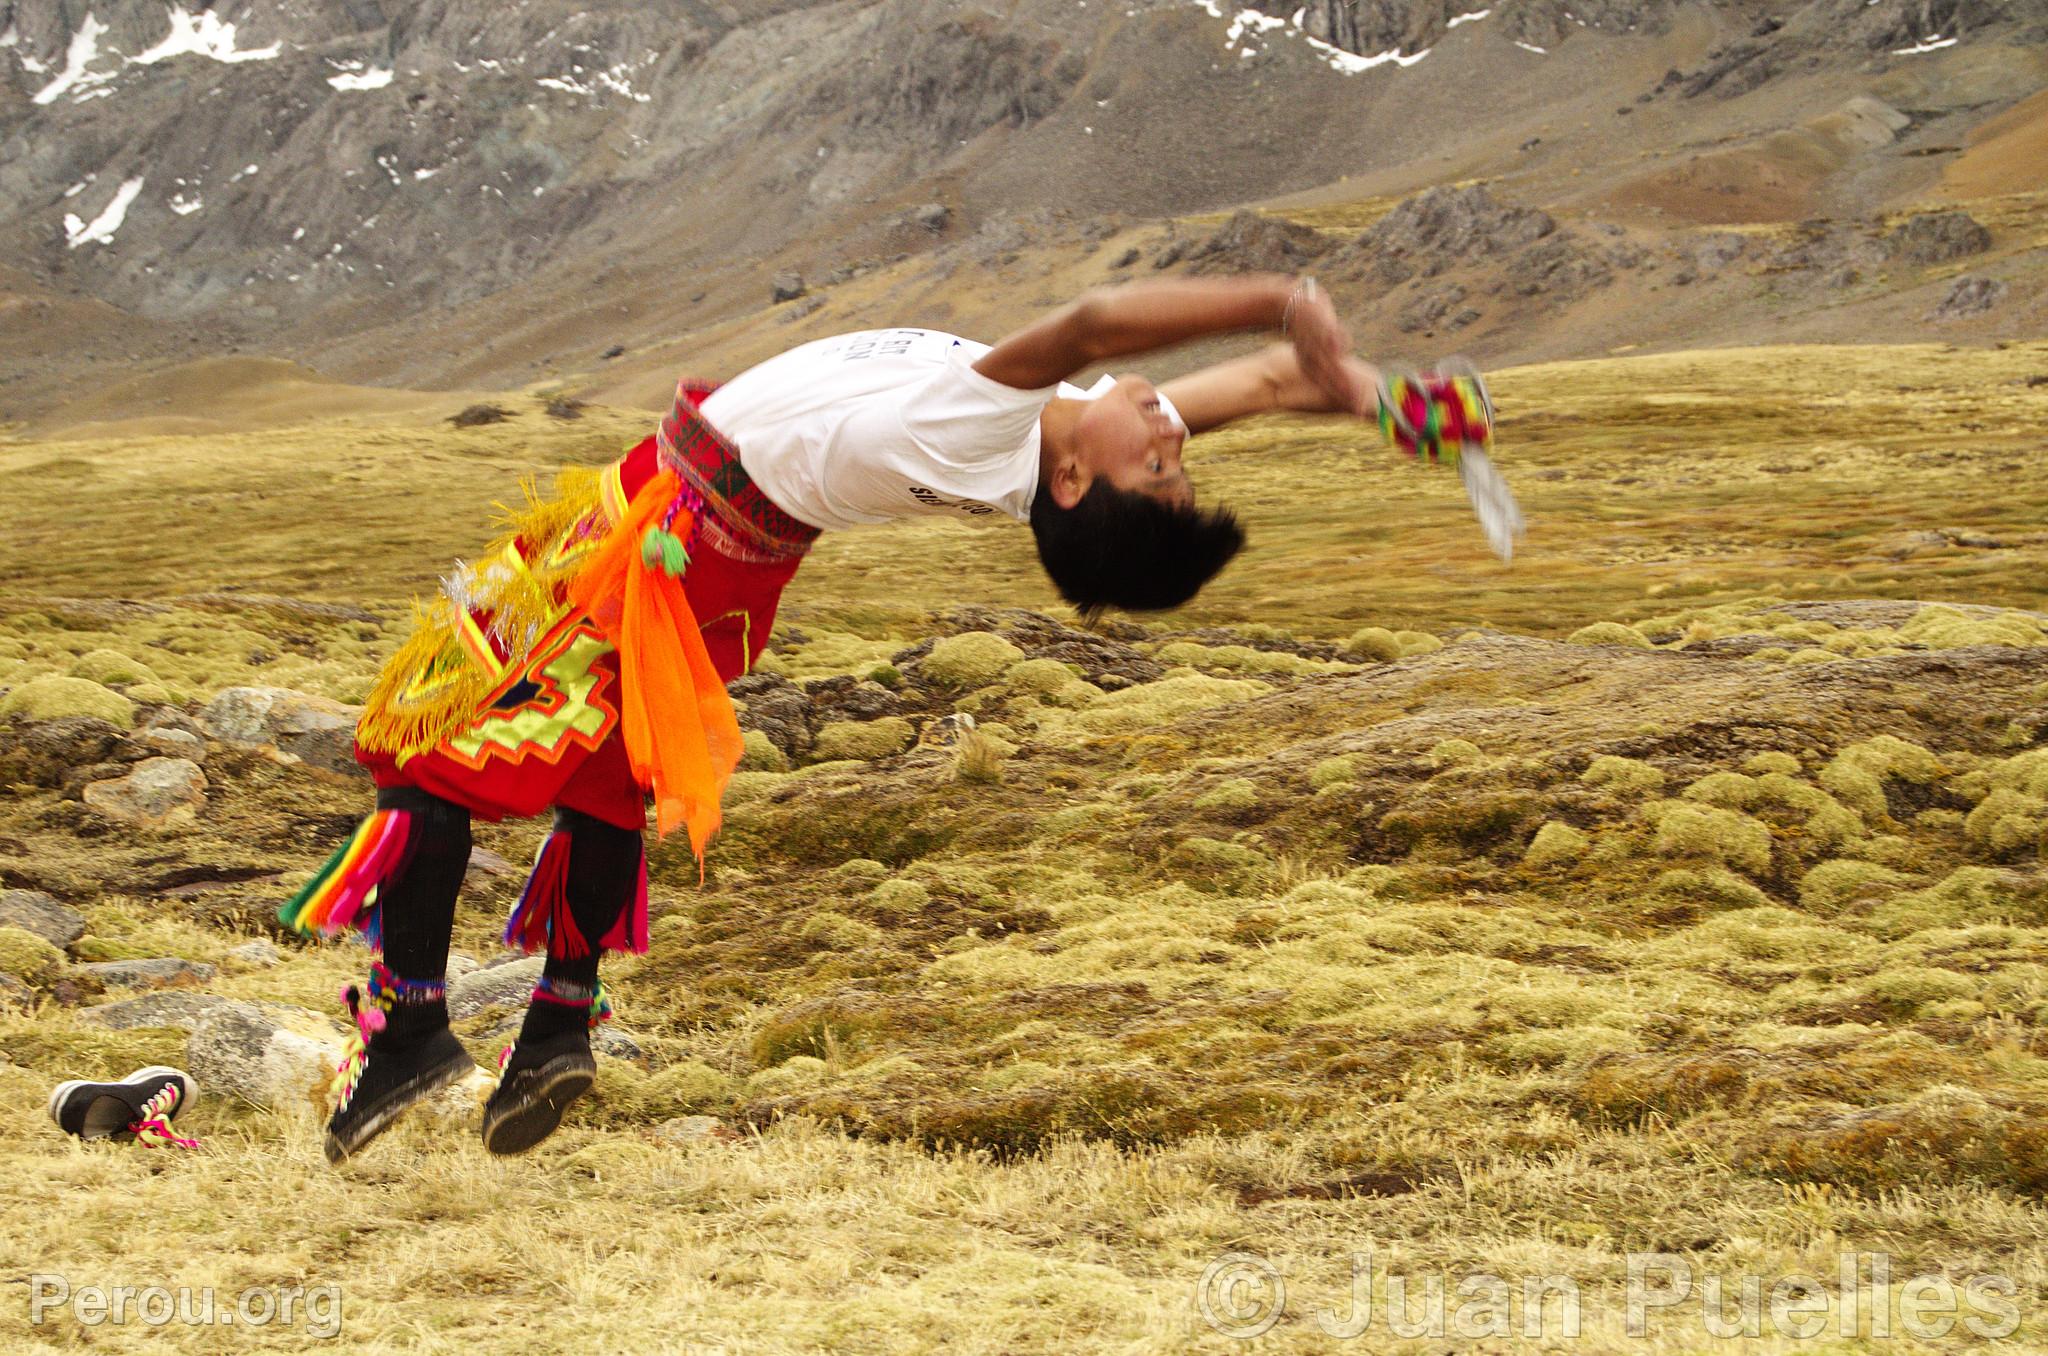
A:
1661, 894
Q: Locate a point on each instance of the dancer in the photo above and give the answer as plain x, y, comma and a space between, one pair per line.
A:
580, 666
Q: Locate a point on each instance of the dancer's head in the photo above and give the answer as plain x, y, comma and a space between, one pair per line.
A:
1115, 516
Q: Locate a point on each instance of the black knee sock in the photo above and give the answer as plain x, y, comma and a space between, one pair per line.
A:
416, 908
604, 876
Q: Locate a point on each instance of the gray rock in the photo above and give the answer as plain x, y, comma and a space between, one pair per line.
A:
159, 791
1937, 238
261, 1058
460, 965
1971, 295
694, 1130
787, 287
933, 216
508, 983
609, 1040
15, 994
34, 911
258, 954
153, 973
172, 743
172, 1007
314, 729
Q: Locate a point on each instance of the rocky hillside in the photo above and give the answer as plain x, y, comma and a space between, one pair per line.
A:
443, 191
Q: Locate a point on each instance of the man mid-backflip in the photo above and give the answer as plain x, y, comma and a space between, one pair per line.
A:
581, 665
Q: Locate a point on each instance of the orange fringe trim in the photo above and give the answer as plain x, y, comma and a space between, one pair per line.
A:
682, 734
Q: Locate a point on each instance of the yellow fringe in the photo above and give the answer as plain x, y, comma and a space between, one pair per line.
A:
430, 688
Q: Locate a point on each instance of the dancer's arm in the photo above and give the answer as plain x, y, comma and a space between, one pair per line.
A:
1115, 322
1265, 382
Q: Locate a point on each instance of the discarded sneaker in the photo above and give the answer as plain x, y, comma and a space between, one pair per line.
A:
401, 1051
138, 1108
538, 1077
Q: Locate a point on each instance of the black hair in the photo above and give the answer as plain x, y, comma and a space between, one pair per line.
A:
1116, 548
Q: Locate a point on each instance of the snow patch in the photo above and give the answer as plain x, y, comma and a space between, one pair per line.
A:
1472, 16
420, 174
202, 34
80, 186
186, 207
1931, 45
83, 51
1250, 25
100, 230
375, 78
1528, 48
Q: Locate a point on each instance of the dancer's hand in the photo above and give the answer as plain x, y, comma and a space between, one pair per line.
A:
1322, 347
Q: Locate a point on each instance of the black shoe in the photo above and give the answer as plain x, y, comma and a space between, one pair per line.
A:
140, 1106
395, 1070
537, 1082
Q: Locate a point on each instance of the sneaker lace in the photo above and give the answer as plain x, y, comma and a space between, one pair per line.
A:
369, 1011
153, 1124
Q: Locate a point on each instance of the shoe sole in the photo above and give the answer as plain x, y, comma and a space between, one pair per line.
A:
58, 1093
396, 1102
517, 1128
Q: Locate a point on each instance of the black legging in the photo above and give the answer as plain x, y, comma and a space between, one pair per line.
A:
417, 905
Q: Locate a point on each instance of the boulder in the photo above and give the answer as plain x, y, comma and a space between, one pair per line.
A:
1937, 238
314, 729
510, 983
180, 1008
1970, 295
787, 287
33, 911
460, 965
170, 742
159, 791
264, 1059
933, 216
44, 752
154, 973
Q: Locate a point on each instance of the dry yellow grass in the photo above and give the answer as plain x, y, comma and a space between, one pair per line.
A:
1726, 938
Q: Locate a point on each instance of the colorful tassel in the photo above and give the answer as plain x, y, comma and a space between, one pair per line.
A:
663, 550
344, 892
629, 933
542, 920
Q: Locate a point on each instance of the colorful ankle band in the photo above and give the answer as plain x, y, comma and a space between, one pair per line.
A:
570, 994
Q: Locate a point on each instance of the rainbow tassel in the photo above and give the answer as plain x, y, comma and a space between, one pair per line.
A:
542, 912
344, 892
630, 932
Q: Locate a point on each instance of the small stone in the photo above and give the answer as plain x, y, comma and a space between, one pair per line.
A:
159, 791
258, 954
933, 216
694, 1130
615, 351
172, 743
154, 973
508, 983
609, 1040
787, 287
314, 729
484, 864
34, 911
15, 994
260, 1058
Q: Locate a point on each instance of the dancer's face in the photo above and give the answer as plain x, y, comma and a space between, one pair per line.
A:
1127, 438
